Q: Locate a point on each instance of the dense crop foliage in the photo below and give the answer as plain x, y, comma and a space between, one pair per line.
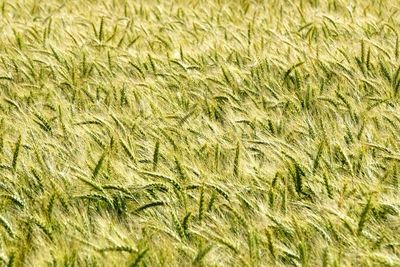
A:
199, 133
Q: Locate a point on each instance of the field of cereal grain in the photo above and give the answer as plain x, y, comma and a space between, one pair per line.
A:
199, 133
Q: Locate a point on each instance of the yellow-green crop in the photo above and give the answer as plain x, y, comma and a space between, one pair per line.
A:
199, 133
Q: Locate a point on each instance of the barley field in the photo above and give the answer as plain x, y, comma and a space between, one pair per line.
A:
199, 133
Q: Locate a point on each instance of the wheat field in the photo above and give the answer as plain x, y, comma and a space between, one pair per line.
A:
199, 133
